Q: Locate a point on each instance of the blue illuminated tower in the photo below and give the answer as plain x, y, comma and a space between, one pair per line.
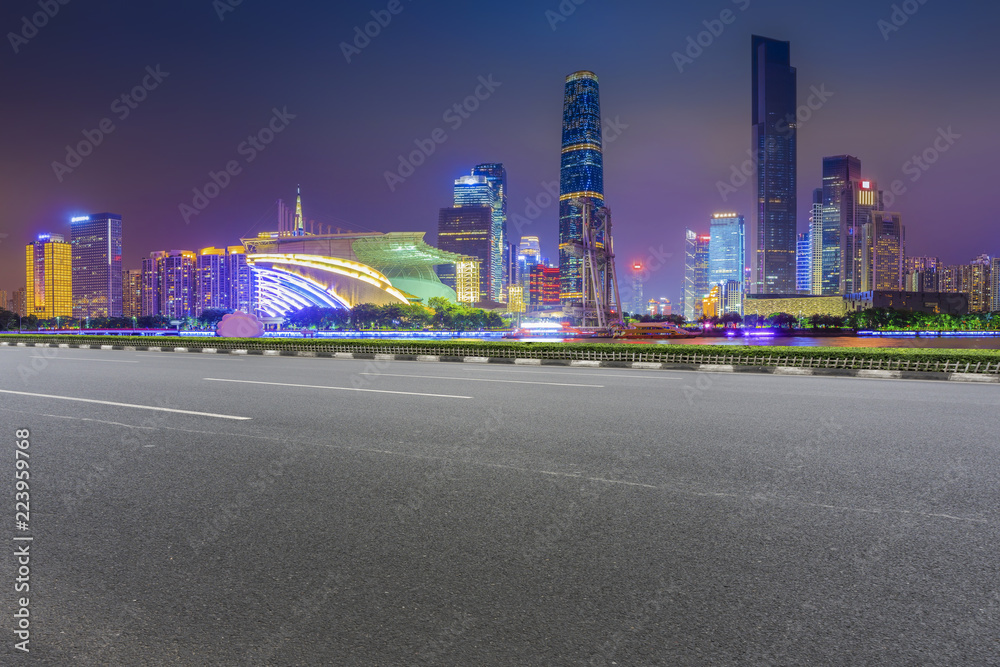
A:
581, 175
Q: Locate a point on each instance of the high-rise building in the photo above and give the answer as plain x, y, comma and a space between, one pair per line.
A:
839, 173
980, 285
132, 293
241, 281
49, 277
954, 279
496, 177
773, 225
653, 307
732, 297
151, 269
4, 301
19, 301
863, 200
696, 283
545, 284
883, 252
638, 302
467, 230
816, 243
665, 307
726, 248
581, 180
211, 286
97, 265
922, 274
803, 264
178, 292
531, 249
995, 285
468, 280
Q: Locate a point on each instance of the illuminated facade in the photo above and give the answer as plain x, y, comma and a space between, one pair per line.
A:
638, 302
696, 273
502, 264
544, 293
773, 225
710, 304
731, 300
132, 293
866, 200
178, 278
581, 178
211, 285
468, 280
240, 280
794, 304
980, 285
803, 264
726, 248
883, 250
833, 245
97, 265
49, 277
995, 285
467, 230
515, 301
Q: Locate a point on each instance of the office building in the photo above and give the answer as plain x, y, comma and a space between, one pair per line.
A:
211, 284
731, 300
696, 283
467, 231
544, 292
773, 224
502, 268
980, 285
49, 276
638, 301
865, 199
840, 172
817, 248
581, 180
726, 248
803, 264
97, 265
883, 252
132, 293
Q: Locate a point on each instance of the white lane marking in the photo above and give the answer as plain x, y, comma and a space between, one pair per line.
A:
109, 361
174, 355
441, 377
314, 386
124, 405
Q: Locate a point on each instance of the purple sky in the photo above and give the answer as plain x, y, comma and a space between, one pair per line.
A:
681, 132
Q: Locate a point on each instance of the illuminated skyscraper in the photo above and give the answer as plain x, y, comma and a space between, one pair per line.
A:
467, 230
837, 222
581, 178
696, 284
773, 225
151, 283
995, 285
49, 276
803, 264
638, 300
97, 265
883, 251
211, 286
980, 285
132, 293
726, 248
241, 281
496, 176
169, 284
544, 290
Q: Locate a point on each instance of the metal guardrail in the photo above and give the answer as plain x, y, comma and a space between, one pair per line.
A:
625, 355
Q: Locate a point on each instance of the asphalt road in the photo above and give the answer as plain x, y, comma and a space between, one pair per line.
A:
220, 510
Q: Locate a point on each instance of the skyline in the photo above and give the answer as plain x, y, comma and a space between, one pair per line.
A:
670, 136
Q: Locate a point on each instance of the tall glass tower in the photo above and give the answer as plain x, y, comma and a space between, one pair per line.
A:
839, 173
496, 176
581, 175
726, 249
97, 265
773, 237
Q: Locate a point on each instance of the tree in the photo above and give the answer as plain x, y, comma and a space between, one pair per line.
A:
210, 317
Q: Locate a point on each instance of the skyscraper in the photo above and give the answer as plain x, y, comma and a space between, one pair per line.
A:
496, 176
883, 251
97, 265
132, 293
840, 172
486, 187
467, 230
211, 288
726, 248
773, 225
995, 285
241, 281
803, 264
980, 287
696, 285
151, 283
638, 301
816, 243
177, 284
49, 278
581, 179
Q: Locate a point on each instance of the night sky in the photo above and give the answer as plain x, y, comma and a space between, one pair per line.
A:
678, 133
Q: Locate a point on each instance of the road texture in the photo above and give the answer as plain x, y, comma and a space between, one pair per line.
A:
223, 510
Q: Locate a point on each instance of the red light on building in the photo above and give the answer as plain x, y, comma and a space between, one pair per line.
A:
637, 266
866, 185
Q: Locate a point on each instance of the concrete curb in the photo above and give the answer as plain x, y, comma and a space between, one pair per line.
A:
870, 374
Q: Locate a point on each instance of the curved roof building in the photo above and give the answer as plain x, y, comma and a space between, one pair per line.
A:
296, 270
